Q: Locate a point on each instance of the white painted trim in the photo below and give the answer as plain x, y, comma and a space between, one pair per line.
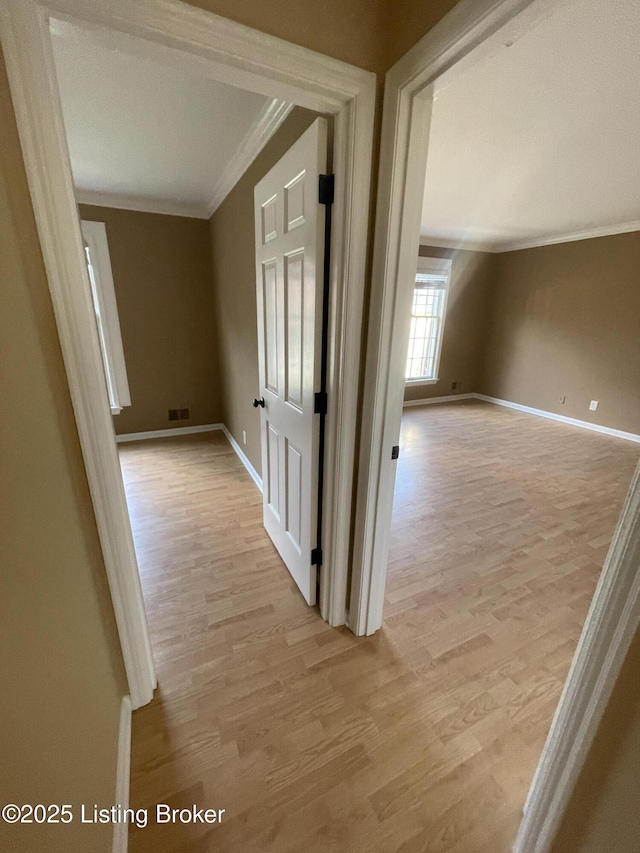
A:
267, 123
257, 479
499, 246
204, 43
467, 245
27, 48
541, 413
123, 776
413, 383
437, 266
612, 621
259, 134
471, 27
192, 430
587, 234
141, 204
167, 433
428, 401
95, 234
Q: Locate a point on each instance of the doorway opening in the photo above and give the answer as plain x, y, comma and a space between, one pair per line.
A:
215, 49
498, 483
190, 326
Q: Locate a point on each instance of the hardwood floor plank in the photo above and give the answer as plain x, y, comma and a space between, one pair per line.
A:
423, 737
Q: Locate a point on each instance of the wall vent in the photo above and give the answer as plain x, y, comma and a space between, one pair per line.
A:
179, 414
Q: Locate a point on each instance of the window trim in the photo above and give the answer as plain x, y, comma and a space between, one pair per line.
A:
95, 235
439, 266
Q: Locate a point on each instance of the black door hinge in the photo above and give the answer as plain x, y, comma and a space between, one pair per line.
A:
395, 451
316, 557
320, 403
326, 185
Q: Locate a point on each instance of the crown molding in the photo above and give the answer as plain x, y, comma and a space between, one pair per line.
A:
467, 245
261, 131
269, 120
141, 204
571, 237
533, 243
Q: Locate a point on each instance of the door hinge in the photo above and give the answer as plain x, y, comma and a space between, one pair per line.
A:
326, 186
316, 557
395, 451
320, 403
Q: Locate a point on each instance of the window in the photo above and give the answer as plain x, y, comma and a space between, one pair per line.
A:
104, 303
427, 319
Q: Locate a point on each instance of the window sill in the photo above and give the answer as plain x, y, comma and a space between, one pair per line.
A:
411, 382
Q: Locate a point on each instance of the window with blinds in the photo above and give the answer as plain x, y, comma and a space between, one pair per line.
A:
427, 325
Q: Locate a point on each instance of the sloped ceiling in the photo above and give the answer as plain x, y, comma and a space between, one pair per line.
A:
150, 135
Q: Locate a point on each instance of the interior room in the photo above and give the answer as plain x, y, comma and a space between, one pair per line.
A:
161, 157
157, 236
521, 424
164, 165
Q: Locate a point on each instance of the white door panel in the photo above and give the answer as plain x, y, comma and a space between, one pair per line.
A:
289, 227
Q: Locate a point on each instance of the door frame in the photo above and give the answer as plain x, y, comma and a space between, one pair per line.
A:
471, 30
190, 38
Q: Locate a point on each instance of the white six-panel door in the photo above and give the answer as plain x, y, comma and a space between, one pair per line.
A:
289, 226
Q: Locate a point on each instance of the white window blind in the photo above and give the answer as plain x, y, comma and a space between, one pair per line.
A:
427, 325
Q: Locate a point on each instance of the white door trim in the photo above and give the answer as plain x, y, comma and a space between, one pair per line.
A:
193, 38
467, 32
123, 776
612, 621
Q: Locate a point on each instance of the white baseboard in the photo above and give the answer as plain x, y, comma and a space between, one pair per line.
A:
541, 413
167, 433
429, 400
243, 458
123, 774
617, 433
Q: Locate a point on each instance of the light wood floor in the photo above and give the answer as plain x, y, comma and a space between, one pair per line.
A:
422, 738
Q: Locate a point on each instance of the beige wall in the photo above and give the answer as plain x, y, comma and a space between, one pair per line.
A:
61, 668
162, 277
463, 340
564, 320
371, 34
234, 284
351, 30
603, 813
407, 21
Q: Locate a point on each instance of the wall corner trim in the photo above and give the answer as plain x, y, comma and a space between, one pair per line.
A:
167, 433
257, 479
264, 127
611, 623
192, 430
123, 775
616, 433
427, 401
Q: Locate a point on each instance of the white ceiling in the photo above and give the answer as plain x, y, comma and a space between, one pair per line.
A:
540, 141
149, 135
